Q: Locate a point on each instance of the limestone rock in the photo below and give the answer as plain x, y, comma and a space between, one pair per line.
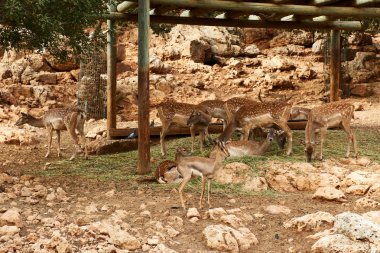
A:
339, 243
192, 212
11, 217
310, 222
329, 193
224, 238
216, 213
277, 209
9, 230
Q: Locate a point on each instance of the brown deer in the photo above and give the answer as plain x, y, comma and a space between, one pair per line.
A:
250, 148
59, 119
257, 114
325, 116
204, 167
216, 109
171, 112
233, 104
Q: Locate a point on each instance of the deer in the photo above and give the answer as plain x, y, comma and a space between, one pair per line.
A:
57, 120
250, 148
233, 104
325, 116
216, 109
205, 167
257, 114
172, 112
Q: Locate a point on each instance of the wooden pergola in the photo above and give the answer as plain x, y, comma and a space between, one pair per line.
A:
281, 14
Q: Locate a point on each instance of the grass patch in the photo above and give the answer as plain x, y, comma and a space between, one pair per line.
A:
122, 166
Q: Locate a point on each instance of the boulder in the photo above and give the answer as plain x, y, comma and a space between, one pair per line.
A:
339, 243
278, 63
296, 37
200, 51
360, 39
329, 193
311, 222
277, 209
224, 238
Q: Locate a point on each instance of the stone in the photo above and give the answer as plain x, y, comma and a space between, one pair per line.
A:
200, 51
318, 46
251, 51
192, 212
310, 222
357, 189
361, 90
278, 63
9, 230
277, 209
329, 193
161, 248
224, 238
46, 78
11, 217
339, 243
232, 220
216, 213
296, 37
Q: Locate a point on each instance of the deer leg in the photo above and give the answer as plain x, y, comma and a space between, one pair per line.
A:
289, 135
59, 142
203, 190
208, 192
164, 130
351, 138
192, 132
185, 180
71, 126
202, 138
246, 130
83, 137
323, 133
50, 136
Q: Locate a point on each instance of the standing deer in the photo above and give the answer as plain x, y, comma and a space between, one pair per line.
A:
171, 112
233, 104
325, 116
204, 167
59, 119
216, 109
250, 148
265, 114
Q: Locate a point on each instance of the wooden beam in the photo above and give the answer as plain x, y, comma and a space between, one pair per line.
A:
143, 88
335, 52
173, 131
270, 8
342, 25
111, 72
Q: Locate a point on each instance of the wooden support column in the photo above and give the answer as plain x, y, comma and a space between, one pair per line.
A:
111, 73
335, 51
143, 88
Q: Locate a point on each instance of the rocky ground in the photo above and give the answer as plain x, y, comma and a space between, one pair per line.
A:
291, 207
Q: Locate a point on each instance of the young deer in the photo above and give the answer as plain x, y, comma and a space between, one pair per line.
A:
250, 148
255, 115
205, 167
59, 119
216, 109
199, 121
325, 116
171, 112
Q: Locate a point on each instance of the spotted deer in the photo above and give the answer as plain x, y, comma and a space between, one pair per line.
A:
233, 104
325, 116
57, 120
172, 112
250, 148
265, 114
216, 109
204, 167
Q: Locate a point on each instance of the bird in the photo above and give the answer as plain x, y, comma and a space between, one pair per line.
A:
133, 134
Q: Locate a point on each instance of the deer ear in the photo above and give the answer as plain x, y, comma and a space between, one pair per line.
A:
23, 114
279, 132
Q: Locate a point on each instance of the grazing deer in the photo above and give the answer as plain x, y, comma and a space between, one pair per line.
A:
216, 109
264, 114
205, 167
171, 112
250, 148
59, 119
325, 116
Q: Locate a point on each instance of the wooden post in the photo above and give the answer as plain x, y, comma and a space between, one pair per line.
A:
335, 52
111, 72
143, 88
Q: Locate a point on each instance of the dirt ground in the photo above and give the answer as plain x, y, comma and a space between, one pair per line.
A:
164, 202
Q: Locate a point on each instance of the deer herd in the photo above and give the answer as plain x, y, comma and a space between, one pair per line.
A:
266, 119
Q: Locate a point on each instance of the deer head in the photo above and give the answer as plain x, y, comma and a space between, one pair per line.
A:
199, 117
25, 118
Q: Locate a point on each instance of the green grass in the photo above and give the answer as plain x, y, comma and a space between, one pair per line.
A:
122, 166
